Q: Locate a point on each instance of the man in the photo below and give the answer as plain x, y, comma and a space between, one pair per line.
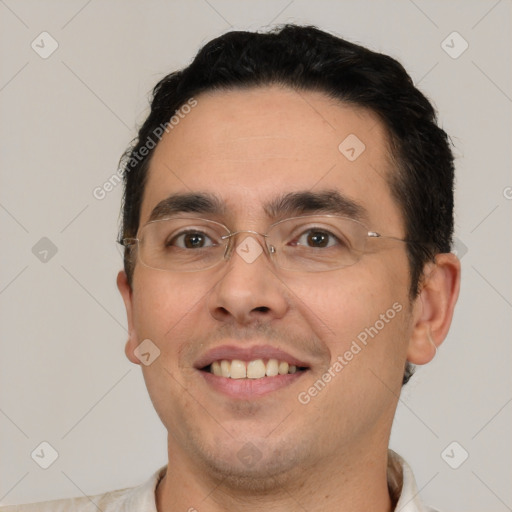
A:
287, 223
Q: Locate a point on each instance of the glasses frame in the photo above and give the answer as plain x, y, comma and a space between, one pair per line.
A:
270, 249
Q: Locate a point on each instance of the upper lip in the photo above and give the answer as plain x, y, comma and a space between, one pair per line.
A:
231, 352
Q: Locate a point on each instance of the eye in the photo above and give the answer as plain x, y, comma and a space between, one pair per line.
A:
316, 238
191, 240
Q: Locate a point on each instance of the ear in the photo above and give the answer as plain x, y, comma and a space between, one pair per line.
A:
126, 292
433, 310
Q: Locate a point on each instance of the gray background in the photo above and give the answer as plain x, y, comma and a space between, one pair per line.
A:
66, 119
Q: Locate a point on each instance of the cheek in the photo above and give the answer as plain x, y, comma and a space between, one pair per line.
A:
366, 311
365, 304
344, 301
162, 303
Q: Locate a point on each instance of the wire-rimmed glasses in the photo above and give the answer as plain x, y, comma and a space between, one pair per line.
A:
310, 243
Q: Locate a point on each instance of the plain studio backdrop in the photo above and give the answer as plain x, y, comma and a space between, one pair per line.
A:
74, 84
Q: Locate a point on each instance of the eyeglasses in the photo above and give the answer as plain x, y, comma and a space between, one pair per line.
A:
313, 243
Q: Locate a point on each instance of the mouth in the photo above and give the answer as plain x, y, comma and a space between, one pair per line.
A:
250, 372
255, 369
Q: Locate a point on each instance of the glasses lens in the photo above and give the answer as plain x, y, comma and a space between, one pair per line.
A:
317, 243
182, 244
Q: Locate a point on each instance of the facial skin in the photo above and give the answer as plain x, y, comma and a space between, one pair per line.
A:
247, 148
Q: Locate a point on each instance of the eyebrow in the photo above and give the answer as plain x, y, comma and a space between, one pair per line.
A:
307, 202
187, 203
292, 204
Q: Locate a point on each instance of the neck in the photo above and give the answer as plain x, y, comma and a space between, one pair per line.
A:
355, 482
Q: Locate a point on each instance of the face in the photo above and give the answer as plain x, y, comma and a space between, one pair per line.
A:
347, 329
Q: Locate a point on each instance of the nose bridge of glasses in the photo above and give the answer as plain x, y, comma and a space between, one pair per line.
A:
248, 245
235, 233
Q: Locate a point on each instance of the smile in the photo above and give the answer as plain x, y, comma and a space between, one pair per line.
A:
248, 372
255, 369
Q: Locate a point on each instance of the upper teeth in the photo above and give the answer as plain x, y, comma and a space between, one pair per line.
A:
256, 369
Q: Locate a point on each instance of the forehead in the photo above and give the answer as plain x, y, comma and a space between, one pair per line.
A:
250, 146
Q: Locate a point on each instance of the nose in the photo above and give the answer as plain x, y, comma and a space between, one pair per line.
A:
249, 291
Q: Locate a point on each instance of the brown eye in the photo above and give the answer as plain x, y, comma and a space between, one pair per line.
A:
317, 239
191, 240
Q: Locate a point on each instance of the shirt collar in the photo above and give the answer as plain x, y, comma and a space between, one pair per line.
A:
401, 484
143, 498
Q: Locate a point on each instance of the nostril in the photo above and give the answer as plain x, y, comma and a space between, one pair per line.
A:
262, 309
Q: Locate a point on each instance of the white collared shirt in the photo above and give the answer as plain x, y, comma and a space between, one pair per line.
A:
142, 498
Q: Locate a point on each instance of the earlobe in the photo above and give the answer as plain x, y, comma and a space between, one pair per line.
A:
126, 293
434, 307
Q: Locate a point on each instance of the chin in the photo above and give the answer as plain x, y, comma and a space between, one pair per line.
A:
257, 465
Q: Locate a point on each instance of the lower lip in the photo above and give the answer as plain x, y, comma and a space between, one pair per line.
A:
250, 388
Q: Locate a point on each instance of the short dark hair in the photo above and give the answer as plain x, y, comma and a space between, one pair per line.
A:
306, 58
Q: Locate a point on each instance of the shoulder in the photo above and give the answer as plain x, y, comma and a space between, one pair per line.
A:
140, 498
107, 502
